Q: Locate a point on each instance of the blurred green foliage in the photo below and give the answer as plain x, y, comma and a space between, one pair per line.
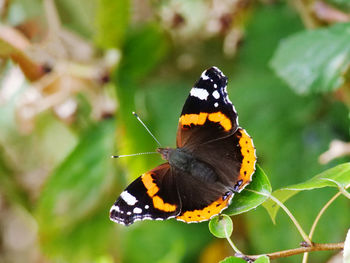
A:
60, 172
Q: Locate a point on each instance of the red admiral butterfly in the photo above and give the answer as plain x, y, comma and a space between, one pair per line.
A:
214, 159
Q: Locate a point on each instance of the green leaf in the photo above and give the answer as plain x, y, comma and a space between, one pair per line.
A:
247, 200
346, 258
79, 184
221, 226
314, 61
334, 177
262, 259
140, 56
233, 260
112, 21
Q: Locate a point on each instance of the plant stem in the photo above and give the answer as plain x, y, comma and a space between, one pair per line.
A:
324, 208
231, 243
296, 223
344, 192
296, 251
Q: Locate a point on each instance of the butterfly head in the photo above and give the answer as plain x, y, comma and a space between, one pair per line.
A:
165, 152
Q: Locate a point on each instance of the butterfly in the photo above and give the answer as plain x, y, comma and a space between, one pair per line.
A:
214, 159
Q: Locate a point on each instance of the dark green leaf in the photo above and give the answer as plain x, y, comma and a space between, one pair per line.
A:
314, 60
221, 226
247, 200
339, 175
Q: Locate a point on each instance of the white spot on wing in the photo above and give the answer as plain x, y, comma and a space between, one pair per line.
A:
216, 94
128, 213
115, 207
146, 206
201, 94
215, 86
128, 198
216, 104
137, 210
204, 76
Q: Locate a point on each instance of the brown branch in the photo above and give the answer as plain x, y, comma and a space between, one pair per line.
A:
329, 14
300, 250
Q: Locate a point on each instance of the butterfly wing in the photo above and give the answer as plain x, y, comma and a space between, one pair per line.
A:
153, 195
208, 129
233, 158
201, 200
208, 113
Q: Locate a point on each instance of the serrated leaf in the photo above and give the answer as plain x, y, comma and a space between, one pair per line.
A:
339, 175
262, 259
247, 200
221, 226
233, 260
314, 61
78, 185
346, 258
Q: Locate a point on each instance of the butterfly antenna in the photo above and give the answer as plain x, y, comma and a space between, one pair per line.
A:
144, 125
134, 154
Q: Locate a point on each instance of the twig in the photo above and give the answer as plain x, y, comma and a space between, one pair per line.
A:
344, 192
296, 251
296, 223
329, 14
232, 244
336, 149
313, 227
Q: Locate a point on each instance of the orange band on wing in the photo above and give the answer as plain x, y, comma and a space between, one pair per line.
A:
205, 214
196, 119
159, 204
249, 157
200, 119
152, 189
222, 119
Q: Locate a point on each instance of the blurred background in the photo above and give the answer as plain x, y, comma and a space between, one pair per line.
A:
71, 73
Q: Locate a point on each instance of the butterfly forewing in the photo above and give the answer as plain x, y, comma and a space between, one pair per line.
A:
153, 195
208, 112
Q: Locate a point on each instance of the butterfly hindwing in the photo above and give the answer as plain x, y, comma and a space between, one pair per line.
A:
233, 158
201, 200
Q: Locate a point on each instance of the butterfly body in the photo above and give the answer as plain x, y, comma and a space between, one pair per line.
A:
180, 159
213, 160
